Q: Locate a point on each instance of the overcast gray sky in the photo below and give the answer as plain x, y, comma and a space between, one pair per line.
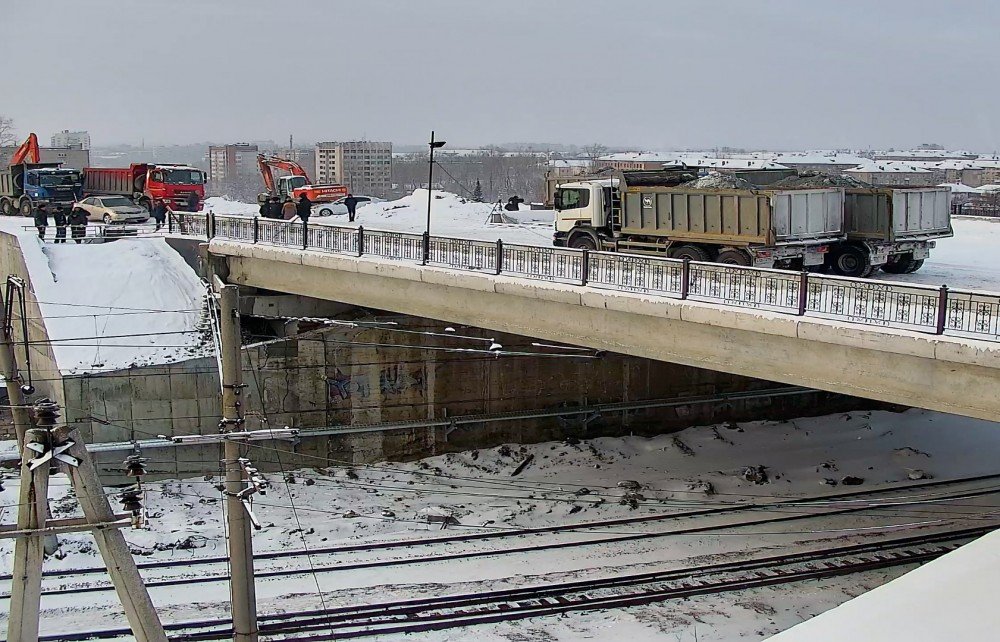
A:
655, 74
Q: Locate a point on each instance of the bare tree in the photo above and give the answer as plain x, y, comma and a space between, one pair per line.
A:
7, 134
595, 151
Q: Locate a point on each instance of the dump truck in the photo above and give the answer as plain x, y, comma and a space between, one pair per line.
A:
145, 182
25, 185
666, 213
888, 227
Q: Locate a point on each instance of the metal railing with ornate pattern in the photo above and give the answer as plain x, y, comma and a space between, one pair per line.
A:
909, 306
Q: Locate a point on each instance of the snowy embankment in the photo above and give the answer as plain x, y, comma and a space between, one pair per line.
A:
967, 260
108, 306
701, 467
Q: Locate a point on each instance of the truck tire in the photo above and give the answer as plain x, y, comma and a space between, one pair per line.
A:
6, 208
25, 207
850, 260
583, 241
732, 256
900, 265
692, 252
914, 266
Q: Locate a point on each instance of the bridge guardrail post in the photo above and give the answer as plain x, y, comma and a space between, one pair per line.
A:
585, 267
942, 309
209, 224
499, 256
170, 221
256, 229
305, 234
361, 240
803, 292
427, 248
685, 277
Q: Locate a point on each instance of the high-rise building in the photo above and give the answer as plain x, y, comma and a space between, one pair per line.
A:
364, 166
227, 162
71, 140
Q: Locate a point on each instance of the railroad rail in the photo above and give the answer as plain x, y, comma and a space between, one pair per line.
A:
843, 503
451, 611
908, 306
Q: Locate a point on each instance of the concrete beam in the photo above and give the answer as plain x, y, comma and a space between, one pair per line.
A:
948, 374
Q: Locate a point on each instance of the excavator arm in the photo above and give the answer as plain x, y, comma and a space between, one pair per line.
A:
265, 163
28, 152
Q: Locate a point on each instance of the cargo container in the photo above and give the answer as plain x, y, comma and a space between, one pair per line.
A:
178, 185
24, 186
660, 213
894, 228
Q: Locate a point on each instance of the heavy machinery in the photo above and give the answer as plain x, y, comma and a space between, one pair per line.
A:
28, 182
295, 185
145, 182
663, 213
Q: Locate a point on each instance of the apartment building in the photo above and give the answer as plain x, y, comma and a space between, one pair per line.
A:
364, 166
70, 140
226, 162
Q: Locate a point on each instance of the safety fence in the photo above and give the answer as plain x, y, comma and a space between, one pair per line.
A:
923, 308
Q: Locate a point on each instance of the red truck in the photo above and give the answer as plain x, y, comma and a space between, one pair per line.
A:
143, 182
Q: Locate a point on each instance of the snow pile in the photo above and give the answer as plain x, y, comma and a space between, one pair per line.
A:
451, 215
814, 180
950, 598
115, 305
719, 181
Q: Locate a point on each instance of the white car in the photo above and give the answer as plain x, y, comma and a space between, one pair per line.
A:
112, 209
338, 208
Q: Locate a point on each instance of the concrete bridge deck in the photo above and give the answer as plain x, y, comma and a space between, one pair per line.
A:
945, 373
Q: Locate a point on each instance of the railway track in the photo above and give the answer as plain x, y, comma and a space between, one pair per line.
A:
818, 507
436, 613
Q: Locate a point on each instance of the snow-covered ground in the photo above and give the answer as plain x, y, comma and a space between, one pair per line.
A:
338, 504
113, 305
967, 260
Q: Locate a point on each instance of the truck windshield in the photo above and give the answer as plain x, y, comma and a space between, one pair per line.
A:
182, 177
574, 198
57, 180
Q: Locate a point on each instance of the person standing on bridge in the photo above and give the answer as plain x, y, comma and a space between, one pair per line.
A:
59, 218
352, 206
41, 219
288, 209
78, 224
159, 213
304, 208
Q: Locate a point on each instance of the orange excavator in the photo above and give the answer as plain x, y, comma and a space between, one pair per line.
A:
28, 152
295, 185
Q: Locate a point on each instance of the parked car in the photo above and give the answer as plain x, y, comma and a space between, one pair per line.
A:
338, 208
112, 210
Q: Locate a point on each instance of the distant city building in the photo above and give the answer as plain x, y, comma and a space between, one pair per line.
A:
657, 160
69, 139
570, 167
364, 166
70, 157
895, 174
925, 155
226, 162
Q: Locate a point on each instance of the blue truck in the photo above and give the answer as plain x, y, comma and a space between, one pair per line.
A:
25, 185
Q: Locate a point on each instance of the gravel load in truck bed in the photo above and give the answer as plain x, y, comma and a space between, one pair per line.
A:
815, 180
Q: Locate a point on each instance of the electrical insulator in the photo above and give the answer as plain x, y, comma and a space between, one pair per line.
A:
130, 501
135, 466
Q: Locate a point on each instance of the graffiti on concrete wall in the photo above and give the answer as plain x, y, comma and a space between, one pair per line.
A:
393, 381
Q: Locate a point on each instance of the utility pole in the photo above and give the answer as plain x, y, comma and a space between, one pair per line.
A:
244, 597
62, 448
8, 364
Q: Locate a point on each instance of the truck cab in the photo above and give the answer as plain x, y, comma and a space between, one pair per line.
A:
585, 212
174, 184
26, 185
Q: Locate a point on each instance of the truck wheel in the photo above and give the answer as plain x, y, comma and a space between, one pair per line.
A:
733, 257
900, 265
692, 252
6, 208
583, 242
914, 266
851, 261
25, 207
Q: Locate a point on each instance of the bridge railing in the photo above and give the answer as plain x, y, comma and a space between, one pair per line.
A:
923, 308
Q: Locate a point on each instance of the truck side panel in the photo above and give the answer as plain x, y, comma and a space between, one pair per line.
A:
919, 212
867, 214
807, 214
7, 185
711, 215
107, 180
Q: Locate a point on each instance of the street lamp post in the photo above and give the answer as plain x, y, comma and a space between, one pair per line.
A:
434, 144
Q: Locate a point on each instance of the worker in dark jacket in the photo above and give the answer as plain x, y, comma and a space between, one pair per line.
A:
78, 225
352, 206
288, 209
159, 213
304, 208
192, 202
41, 219
59, 217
